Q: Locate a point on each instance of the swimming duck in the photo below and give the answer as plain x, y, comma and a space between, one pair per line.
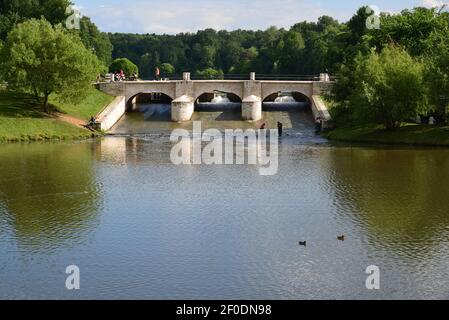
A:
303, 243
341, 238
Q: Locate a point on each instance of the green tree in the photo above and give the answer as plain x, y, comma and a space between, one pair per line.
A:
290, 48
148, 63
437, 64
167, 69
389, 88
96, 41
123, 64
43, 59
13, 12
209, 73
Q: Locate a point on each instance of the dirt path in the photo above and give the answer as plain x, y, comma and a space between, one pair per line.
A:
69, 119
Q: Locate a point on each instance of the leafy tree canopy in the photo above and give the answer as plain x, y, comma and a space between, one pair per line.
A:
167, 69
124, 64
390, 87
43, 59
13, 12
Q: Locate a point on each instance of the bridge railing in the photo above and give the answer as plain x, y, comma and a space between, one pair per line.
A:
267, 77
242, 77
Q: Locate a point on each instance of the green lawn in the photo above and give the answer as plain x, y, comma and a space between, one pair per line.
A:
408, 134
94, 102
21, 119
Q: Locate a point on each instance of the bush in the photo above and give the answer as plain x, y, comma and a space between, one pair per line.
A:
124, 64
167, 69
210, 73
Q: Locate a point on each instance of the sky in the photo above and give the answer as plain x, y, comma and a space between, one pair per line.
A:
175, 16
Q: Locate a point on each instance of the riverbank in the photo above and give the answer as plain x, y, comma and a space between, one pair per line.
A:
22, 119
407, 135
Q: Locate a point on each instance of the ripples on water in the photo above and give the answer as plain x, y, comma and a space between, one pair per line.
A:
140, 227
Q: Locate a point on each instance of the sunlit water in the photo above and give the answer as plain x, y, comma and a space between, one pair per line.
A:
141, 227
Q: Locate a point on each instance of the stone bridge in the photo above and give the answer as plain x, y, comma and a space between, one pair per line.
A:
251, 92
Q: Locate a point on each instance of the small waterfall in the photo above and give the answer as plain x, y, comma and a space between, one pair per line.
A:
220, 99
285, 98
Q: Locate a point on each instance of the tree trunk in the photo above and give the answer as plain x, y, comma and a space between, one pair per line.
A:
391, 124
46, 107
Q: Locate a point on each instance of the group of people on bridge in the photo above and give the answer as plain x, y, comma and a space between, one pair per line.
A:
121, 76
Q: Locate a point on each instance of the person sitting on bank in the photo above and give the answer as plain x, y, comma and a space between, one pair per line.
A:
318, 125
262, 127
92, 121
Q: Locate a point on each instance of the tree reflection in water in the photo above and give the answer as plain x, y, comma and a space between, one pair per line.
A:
48, 194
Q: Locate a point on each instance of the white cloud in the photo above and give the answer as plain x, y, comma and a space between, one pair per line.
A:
188, 16
434, 3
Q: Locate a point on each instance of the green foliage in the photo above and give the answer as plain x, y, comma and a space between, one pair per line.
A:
390, 87
96, 41
167, 70
411, 29
124, 64
209, 73
307, 48
43, 60
13, 12
289, 49
423, 60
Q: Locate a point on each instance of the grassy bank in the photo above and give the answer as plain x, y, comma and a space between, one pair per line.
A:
22, 119
94, 102
408, 134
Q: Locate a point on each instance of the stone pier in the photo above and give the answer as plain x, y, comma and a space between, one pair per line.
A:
182, 108
252, 108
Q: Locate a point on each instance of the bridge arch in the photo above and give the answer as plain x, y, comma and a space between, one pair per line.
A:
270, 88
298, 96
209, 96
234, 88
148, 97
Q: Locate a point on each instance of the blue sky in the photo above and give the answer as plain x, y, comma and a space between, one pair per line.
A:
174, 16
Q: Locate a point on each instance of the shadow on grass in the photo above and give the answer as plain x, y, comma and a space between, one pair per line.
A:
407, 134
20, 105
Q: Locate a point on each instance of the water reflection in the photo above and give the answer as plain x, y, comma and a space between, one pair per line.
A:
223, 232
48, 194
396, 201
398, 193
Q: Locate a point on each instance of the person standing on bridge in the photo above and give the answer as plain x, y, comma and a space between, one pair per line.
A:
157, 73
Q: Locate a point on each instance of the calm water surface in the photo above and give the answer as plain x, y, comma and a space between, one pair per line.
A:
141, 227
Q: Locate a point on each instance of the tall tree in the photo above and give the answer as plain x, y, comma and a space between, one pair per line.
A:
96, 41
43, 59
390, 87
13, 12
